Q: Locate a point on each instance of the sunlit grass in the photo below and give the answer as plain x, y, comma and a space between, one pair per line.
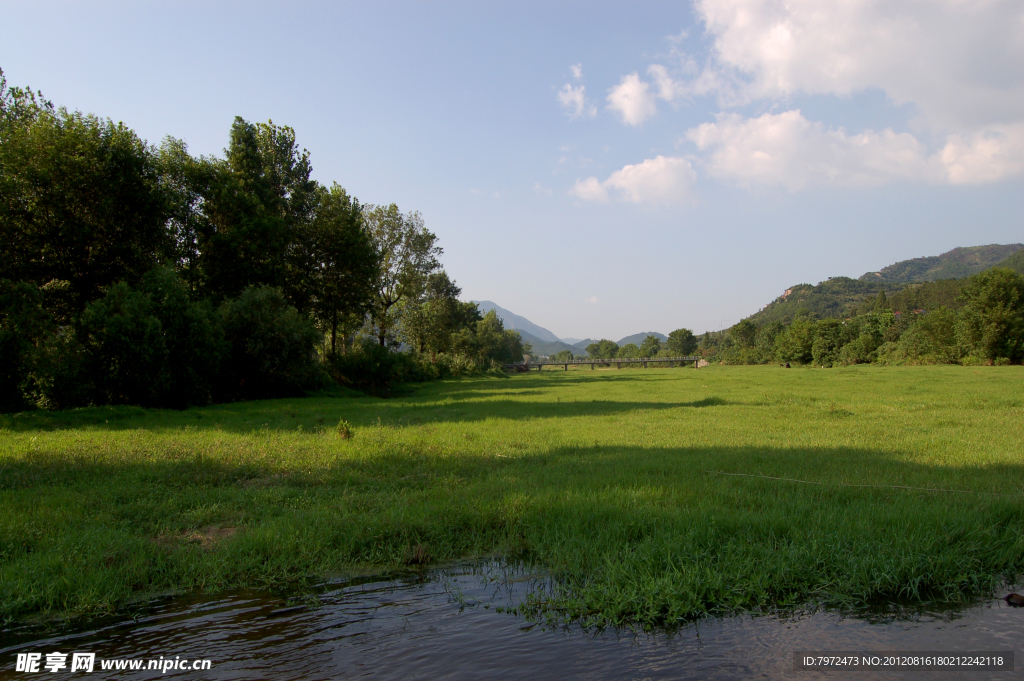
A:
610, 479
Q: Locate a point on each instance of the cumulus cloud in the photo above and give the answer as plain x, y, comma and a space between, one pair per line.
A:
987, 155
787, 149
660, 179
958, 61
632, 100
573, 98
589, 189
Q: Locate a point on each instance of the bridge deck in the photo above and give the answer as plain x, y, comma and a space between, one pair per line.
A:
526, 366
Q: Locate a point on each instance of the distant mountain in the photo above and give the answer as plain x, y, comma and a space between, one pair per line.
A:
955, 264
638, 338
514, 321
572, 341
1014, 262
543, 347
918, 283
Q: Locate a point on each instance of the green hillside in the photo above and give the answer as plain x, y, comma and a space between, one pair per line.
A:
921, 283
832, 298
1015, 262
958, 263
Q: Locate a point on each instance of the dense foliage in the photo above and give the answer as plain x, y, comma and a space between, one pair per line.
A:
135, 274
979, 320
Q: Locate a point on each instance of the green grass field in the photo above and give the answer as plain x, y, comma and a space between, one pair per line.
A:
611, 480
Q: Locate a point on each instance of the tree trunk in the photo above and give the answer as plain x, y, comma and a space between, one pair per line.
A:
334, 333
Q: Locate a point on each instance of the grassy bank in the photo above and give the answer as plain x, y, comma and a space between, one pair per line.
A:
600, 476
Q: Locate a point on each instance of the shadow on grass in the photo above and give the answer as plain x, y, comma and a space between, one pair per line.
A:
313, 414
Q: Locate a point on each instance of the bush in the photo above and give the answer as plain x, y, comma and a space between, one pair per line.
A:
151, 346
992, 322
796, 342
375, 369
273, 347
23, 324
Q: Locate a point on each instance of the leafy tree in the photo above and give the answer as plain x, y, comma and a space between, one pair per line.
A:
186, 182
407, 253
603, 349
150, 346
272, 347
992, 320
795, 344
80, 199
256, 201
334, 263
432, 323
563, 356
495, 342
830, 335
744, 334
650, 346
681, 342
630, 351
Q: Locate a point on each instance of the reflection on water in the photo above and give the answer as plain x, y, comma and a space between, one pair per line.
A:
445, 625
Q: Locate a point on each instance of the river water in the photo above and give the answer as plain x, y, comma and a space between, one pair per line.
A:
444, 624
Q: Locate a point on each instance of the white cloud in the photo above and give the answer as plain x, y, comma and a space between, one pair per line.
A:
787, 149
958, 61
631, 99
589, 189
988, 155
541, 189
668, 89
573, 98
657, 180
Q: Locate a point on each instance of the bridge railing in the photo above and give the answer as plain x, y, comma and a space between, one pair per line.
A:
609, 360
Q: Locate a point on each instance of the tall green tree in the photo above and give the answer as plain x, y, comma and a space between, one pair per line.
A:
603, 349
681, 342
433, 322
992, 320
495, 342
630, 351
80, 199
744, 334
650, 347
257, 200
407, 253
334, 263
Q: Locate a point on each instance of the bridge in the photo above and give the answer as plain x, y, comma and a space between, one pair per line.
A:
618, 362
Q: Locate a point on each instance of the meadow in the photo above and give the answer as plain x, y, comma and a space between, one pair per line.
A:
877, 485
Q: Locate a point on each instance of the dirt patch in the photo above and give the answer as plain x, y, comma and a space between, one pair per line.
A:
205, 537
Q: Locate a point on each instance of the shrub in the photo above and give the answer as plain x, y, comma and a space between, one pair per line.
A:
273, 347
151, 346
796, 342
376, 369
992, 320
23, 324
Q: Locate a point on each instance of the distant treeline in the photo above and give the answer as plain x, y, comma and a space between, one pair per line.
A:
141, 274
979, 320
680, 343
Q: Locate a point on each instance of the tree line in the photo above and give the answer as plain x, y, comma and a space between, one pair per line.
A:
978, 320
680, 343
141, 274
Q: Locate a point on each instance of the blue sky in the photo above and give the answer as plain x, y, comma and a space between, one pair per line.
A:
599, 168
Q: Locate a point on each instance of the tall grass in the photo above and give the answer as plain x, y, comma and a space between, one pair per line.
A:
611, 480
